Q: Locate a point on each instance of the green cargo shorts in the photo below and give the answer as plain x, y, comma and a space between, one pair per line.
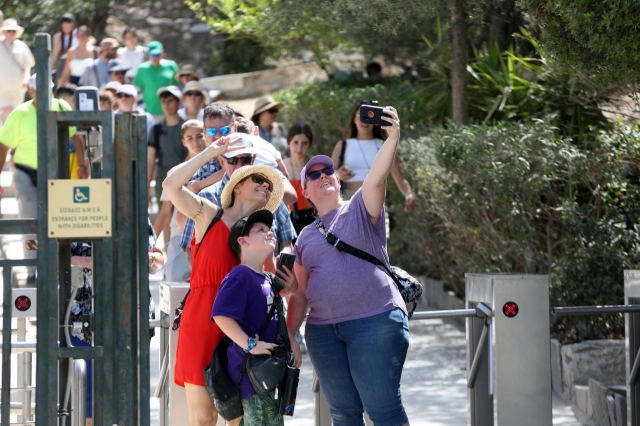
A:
261, 410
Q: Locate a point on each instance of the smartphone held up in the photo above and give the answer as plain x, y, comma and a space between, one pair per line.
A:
371, 114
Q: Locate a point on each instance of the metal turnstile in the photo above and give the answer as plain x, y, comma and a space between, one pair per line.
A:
173, 401
632, 346
513, 369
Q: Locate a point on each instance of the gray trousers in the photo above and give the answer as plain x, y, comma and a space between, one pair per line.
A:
27, 196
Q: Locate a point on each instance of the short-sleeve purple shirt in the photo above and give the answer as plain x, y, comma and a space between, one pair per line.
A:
342, 287
245, 296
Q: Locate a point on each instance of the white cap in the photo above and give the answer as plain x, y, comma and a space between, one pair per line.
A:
127, 89
247, 141
32, 83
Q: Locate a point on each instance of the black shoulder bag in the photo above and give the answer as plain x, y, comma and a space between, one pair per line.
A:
410, 288
180, 308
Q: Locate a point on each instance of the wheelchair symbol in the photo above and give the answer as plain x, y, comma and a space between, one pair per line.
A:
81, 194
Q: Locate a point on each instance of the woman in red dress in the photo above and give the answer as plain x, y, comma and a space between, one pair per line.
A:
250, 188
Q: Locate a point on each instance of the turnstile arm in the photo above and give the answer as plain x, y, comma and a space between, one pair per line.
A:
477, 357
633, 378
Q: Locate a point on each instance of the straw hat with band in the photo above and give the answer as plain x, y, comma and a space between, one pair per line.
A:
12, 25
188, 69
244, 172
195, 86
264, 103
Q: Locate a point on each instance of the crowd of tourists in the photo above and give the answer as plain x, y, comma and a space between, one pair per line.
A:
237, 197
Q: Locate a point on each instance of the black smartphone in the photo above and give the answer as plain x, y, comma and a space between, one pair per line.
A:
373, 115
286, 259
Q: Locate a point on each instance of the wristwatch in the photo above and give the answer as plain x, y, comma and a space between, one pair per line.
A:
252, 344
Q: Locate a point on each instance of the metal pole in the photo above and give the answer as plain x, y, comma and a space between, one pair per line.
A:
26, 380
79, 394
596, 310
477, 358
48, 332
457, 313
5, 416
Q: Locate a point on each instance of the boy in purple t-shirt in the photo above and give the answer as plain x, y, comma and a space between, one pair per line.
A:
241, 307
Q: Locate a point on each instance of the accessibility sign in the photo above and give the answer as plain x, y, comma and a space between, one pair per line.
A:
80, 208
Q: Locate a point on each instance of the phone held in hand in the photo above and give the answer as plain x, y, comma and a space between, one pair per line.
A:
370, 114
286, 259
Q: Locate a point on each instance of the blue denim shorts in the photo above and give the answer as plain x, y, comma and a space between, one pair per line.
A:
359, 365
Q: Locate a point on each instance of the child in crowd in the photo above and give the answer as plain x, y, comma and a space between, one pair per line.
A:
176, 268
241, 307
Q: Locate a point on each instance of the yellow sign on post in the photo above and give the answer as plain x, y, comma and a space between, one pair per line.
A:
79, 208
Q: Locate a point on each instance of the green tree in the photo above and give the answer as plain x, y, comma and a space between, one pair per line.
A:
600, 38
377, 26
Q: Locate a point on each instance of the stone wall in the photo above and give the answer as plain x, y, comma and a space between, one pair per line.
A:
186, 39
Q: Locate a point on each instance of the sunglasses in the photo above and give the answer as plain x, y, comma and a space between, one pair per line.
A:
273, 110
224, 131
246, 160
192, 93
328, 171
117, 72
260, 180
123, 95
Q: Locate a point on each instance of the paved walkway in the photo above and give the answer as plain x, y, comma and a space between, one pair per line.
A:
434, 387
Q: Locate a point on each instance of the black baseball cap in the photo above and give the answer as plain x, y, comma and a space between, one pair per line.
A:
242, 227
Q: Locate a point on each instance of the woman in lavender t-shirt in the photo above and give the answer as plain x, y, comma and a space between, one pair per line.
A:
357, 332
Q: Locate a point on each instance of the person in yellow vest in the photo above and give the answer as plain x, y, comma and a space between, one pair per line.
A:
20, 132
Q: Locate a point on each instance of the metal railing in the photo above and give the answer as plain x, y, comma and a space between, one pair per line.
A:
601, 310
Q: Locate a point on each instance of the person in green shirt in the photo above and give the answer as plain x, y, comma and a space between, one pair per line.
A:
157, 72
20, 132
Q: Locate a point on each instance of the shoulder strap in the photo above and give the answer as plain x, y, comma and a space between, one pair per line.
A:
277, 301
157, 131
213, 222
343, 148
342, 246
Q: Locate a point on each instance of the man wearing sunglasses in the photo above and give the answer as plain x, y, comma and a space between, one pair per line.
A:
126, 98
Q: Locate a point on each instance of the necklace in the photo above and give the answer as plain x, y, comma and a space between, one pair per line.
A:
293, 168
364, 157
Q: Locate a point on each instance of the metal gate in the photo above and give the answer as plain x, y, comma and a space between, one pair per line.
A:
120, 321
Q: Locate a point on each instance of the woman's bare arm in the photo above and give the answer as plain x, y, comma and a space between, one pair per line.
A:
374, 185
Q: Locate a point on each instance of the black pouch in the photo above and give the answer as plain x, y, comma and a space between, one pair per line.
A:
33, 173
178, 312
222, 391
265, 372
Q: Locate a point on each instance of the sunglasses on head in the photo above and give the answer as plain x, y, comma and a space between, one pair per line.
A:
315, 175
261, 180
192, 93
246, 160
123, 95
224, 131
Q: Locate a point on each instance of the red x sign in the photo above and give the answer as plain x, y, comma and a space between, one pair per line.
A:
510, 309
22, 303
